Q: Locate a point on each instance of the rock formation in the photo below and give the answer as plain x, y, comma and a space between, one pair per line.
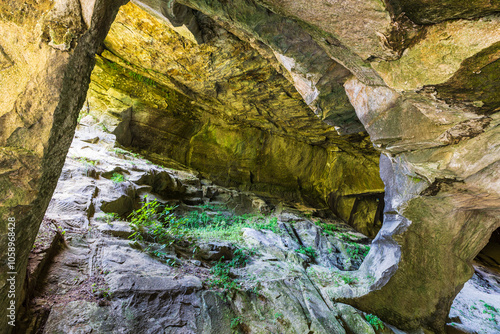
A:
285, 97
47, 56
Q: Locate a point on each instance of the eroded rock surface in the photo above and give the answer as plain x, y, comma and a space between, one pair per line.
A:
46, 60
101, 282
280, 92
223, 109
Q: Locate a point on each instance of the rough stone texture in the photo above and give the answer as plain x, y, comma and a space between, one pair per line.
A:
427, 96
99, 284
280, 38
435, 59
346, 22
444, 202
43, 88
479, 298
238, 121
395, 120
430, 11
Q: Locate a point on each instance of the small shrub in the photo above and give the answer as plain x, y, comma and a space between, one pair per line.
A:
117, 178
235, 323
221, 271
349, 280
374, 321
309, 251
158, 226
222, 279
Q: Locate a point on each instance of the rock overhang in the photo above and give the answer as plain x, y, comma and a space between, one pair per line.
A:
452, 139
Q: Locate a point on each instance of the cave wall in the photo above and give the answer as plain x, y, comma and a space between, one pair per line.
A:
420, 77
221, 108
46, 59
425, 94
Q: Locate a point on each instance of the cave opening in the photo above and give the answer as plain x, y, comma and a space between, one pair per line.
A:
489, 256
85, 252
271, 110
479, 299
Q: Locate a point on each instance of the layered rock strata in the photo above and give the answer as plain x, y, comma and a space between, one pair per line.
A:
421, 77
47, 55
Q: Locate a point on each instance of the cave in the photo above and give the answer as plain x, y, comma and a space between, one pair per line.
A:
366, 135
489, 256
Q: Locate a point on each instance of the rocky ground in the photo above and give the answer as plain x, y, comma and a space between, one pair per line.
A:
222, 261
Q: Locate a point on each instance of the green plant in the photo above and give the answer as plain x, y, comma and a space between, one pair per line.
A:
222, 271
328, 229
103, 127
81, 115
415, 179
162, 256
101, 291
118, 150
374, 321
222, 279
214, 224
309, 251
108, 217
491, 311
160, 226
235, 323
278, 315
490, 307
269, 224
117, 178
356, 251
87, 161
349, 280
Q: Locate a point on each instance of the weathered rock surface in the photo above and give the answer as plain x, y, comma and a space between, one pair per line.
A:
278, 92
100, 284
46, 60
224, 110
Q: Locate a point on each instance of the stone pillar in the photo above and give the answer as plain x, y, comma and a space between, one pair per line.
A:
47, 53
440, 168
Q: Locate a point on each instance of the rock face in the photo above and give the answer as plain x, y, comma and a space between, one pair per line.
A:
274, 96
99, 283
226, 111
46, 59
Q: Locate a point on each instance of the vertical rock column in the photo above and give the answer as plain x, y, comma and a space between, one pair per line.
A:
47, 53
440, 168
